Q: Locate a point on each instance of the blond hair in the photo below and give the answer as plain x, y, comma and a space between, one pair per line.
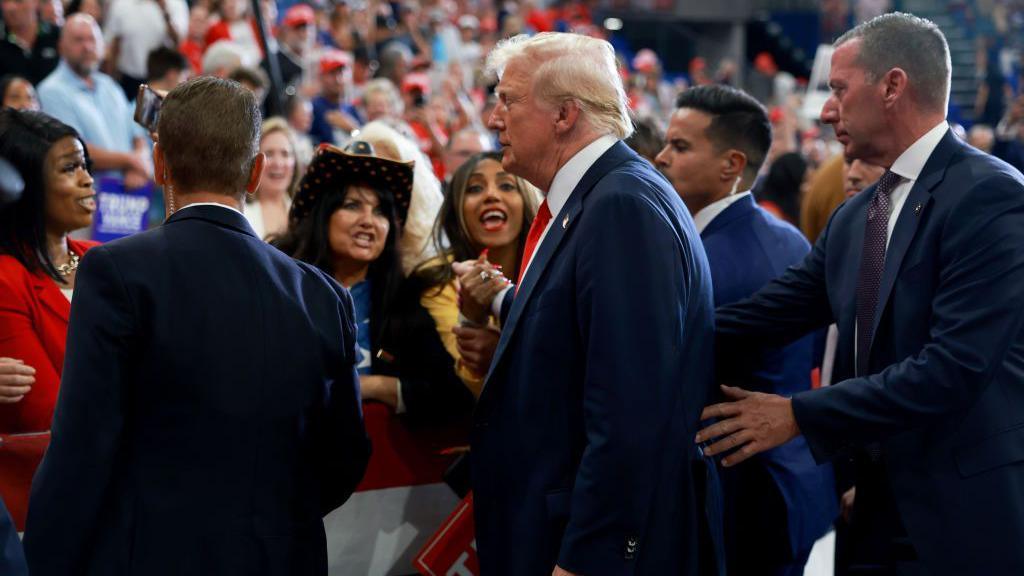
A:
279, 124
571, 67
427, 196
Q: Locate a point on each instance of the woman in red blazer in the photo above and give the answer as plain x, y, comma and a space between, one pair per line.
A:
38, 260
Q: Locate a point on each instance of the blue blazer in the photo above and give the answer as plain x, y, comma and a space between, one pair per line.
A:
209, 411
12, 559
582, 448
945, 392
747, 247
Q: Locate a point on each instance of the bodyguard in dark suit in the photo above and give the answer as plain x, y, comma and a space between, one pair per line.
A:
780, 503
583, 461
209, 412
923, 274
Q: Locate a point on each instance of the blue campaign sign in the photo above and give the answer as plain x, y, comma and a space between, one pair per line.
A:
120, 212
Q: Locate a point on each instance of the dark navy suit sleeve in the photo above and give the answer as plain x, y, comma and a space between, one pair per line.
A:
69, 486
346, 448
632, 294
977, 313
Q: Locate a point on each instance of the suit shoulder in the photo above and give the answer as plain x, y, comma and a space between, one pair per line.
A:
638, 180
782, 231
15, 279
315, 276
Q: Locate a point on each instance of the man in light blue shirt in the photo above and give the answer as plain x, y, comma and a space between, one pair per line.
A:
77, 94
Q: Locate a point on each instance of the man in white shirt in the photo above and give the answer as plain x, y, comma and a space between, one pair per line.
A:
922, 273
779, 504
134, 28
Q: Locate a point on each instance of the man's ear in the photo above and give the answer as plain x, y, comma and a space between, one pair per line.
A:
159, 166
258, 164
894, 84
734, 163
568, 114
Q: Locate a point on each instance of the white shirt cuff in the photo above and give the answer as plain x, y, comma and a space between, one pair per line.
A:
496, 303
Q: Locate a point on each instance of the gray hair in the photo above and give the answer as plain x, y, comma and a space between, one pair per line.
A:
913, 44
427, 195
571, 67
210, 135
386, 87
223, 58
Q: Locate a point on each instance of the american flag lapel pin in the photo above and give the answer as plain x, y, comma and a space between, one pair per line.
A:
917, 210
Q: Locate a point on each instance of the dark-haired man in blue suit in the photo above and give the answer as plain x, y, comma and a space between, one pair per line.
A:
209, 412
582, 460
779, 504
923, 274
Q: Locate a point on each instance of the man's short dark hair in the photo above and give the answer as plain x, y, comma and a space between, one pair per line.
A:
738, 121
163, 60
209, 132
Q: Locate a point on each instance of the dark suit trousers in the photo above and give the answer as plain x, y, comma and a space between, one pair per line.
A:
876, 541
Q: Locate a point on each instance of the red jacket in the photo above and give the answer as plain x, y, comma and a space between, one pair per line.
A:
33, 327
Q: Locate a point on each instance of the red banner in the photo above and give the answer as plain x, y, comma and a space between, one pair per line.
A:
452, 550
19, 457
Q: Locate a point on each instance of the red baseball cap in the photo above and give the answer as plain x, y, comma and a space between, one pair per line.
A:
416, 81
297, 15
331, 60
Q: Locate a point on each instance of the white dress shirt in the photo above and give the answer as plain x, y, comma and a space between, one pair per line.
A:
707, 214
562, 185
908, 165
225, 206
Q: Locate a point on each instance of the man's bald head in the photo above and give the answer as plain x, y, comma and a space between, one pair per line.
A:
81, 44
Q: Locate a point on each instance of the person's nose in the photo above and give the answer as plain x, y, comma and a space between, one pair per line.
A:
84, 178
830, 111
496, 120
661, 160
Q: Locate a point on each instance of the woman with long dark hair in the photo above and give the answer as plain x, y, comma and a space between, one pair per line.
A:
485, 208
38, 259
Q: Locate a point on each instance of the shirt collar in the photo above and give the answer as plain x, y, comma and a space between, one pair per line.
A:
74, 79
911, 162
225, 206
570, 174
707, 214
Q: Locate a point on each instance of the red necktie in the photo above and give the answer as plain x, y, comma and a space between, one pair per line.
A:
540, 222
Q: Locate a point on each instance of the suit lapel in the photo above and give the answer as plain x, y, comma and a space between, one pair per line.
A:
52, 298
560, 226
914, 210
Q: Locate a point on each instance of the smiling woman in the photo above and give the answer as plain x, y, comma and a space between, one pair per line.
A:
486, 208
37, 259
267, 209
37, 273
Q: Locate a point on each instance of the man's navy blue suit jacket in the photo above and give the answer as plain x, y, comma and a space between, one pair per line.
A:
747, 247
209, 412
582, 447
945, 390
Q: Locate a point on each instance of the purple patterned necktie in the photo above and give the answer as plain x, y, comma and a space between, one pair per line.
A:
872, 263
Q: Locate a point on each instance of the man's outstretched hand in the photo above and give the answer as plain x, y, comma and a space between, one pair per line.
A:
750, 423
